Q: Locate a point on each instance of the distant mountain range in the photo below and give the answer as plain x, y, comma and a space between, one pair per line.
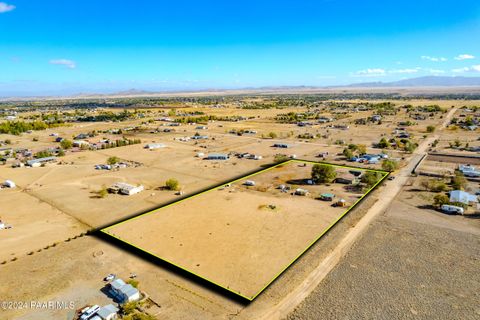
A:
428, 81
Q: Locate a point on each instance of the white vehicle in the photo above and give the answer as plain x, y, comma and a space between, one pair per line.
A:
90, 312
110, 277
452, 209
250, 183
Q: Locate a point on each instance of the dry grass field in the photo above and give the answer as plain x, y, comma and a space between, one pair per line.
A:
59, 201
239, 237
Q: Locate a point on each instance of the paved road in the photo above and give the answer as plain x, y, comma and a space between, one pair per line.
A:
389, 192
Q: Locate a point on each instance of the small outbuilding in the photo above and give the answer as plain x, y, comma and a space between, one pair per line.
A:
153, 146
9, 184
217, 156
327, 196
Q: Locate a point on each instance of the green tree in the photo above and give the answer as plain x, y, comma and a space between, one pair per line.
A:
440, 199
370, 178
362, 149
389, 165
459, 182
280, 158
352, 146
113, 160
66, 144
348, 153
384, 144
129, 307
172, 184
430, 129
323, 173
409, 146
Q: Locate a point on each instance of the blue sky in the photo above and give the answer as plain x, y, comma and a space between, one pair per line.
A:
65, 47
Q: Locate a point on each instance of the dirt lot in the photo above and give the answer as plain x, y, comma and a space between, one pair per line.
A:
74, 270
421, 264
242, 249
35, 224
59, 201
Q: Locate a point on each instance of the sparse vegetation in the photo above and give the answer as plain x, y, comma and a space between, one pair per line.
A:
172, 184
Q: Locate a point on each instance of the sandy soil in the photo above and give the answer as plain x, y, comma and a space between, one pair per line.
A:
242, 249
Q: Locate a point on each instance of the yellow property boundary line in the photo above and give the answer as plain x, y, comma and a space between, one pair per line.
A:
106, 230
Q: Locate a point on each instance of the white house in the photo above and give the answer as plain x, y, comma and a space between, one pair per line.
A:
80, 143
125, 188
108, 312
38, 162
124, 292
463, 197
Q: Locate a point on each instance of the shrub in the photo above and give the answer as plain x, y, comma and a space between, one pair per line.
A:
133, 282
430, 129
66, 144
172, 184
113, 160
102, 193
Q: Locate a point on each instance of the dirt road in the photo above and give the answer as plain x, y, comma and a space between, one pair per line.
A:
389, 192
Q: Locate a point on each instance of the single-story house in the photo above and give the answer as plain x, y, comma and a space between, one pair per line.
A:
125, 188
346, 179
80, 143
124, 292
108, 312
463, 197
38, 162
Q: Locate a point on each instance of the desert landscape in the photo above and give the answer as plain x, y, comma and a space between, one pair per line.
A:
225, 176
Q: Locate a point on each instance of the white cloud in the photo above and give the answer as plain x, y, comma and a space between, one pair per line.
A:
5, 7
464, 57
373, 72
405, 71
436, 71
475, 68
434, 59
64, 62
